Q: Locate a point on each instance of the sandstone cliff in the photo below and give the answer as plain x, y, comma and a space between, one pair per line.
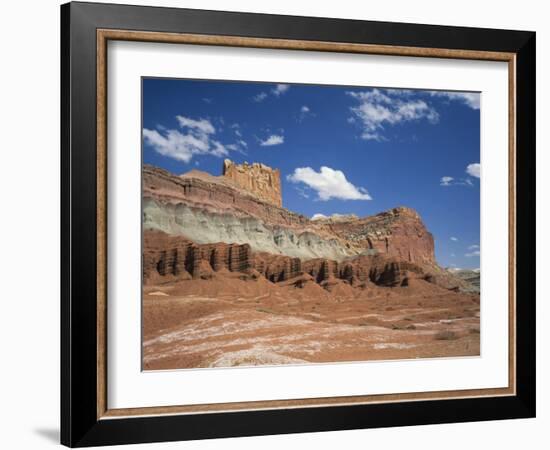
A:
258, 179
174, 258
208, 209
398, 232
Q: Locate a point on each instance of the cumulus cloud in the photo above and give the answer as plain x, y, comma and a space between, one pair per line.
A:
377, 109
195, 137
446, 181
454, 238
318, 216
471, 99
201, 125
472, 254
274, 139
277, 91
280, 89
328, 183
474, 170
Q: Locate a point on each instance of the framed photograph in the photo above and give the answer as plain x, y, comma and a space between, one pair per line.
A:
276, 224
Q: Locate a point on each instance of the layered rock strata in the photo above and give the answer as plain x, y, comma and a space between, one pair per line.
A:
398, 232
174, 258
209, 209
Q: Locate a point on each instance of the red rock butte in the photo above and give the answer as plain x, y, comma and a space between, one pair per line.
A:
260, 180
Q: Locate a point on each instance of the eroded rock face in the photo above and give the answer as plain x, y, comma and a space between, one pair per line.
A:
173, 258
398, 232
260, 180
209, 209
177, 258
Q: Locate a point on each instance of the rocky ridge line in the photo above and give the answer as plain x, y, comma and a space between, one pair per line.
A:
188, 204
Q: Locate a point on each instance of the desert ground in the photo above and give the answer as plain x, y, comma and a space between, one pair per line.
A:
225, 322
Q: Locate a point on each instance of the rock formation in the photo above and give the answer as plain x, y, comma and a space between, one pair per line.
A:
398, 232
209, 209
258, 179
173, 258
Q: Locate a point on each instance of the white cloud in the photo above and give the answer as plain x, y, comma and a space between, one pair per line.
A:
451, 181
195, 139
277, 91
453, 255
318, 216
474, 170
378, 109
182, 146
334, 216
274, 139
454, 238
328, 183
305, 112
280, 89
473, 247
471, 254
470, 99
201, 125
400, 92
260, 97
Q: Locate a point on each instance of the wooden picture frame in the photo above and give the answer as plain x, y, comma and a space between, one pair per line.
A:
86, 418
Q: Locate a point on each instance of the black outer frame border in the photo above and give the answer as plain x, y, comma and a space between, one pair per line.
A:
79, 424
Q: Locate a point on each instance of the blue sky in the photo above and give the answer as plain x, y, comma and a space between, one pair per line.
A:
340, 149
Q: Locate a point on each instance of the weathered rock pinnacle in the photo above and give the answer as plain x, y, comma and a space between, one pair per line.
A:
258, 179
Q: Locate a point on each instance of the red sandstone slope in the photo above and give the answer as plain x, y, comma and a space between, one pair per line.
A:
169, 259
